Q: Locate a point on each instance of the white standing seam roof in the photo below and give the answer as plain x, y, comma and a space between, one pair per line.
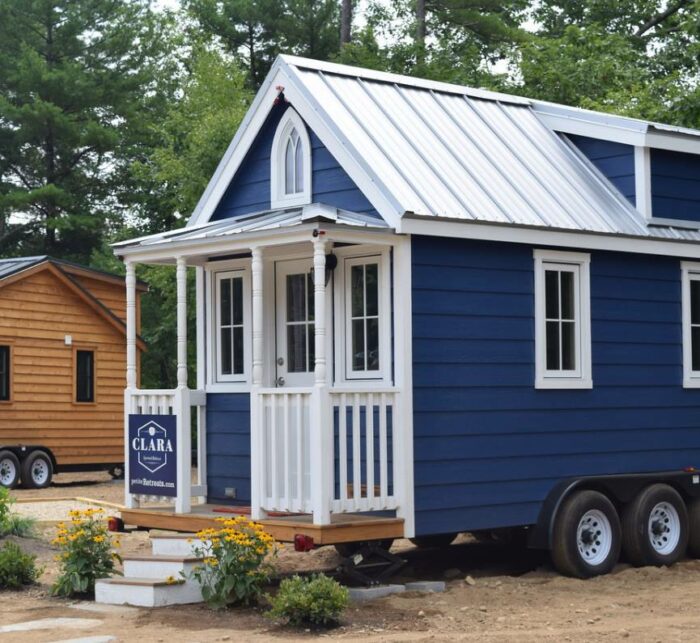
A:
438, 151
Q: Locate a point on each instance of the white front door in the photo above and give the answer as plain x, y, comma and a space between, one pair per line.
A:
294, 359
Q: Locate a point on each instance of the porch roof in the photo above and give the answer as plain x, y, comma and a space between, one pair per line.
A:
267, 221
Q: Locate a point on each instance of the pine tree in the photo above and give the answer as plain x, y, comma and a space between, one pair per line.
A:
76, 92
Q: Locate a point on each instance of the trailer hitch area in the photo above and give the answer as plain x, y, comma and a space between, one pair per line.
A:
370, 564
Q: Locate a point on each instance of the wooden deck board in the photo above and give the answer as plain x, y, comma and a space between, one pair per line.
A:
344, 528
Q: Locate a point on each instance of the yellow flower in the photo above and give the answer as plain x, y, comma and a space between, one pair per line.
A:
99, 539
171, 580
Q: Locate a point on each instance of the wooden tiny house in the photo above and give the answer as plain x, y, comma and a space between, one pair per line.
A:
62, 359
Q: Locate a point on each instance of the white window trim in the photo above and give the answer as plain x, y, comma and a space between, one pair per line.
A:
347, 257
278, 199
690, 271
216, 381
582, 377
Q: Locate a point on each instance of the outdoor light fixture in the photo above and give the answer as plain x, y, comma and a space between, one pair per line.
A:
331, 265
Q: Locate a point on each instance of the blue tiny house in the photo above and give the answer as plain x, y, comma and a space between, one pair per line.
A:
425, 309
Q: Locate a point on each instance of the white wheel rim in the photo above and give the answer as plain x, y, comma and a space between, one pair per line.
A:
664, 528
594, 537
40, 471
8, 472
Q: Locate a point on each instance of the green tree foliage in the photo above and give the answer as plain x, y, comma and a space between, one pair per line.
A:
76, 87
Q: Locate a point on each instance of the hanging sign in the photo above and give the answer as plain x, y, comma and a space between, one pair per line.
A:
153, 455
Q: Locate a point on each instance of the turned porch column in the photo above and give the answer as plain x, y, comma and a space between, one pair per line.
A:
256, 420
321, 430
181, 408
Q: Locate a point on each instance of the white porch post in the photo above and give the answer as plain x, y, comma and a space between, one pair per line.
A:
130, 282
321, 431
182, 397
256, 419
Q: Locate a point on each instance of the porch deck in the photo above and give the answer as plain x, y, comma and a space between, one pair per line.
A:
345, 527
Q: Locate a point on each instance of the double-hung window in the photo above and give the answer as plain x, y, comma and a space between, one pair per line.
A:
230, 314
4, 373
562, 320
691, 324
367, 333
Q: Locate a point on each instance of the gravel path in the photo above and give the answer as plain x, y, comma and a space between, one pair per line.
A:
51, 510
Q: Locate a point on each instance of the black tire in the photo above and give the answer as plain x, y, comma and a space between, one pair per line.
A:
434, 541
586, 539
117, 472
37, 470
346, 550
694, 528
9, 469
665, 540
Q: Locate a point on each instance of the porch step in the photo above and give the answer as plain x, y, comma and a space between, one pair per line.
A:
159, 566
174, 544
146, 592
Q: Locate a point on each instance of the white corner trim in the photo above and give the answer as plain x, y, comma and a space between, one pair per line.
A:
289, 122
403, 366
690, 271
579, 264
642, 180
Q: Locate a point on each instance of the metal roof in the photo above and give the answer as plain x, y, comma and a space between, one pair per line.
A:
11, 266
259, 221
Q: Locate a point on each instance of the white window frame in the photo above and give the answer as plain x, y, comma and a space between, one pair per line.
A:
278, 199
348, 257
217, 381
579, 265
690, 271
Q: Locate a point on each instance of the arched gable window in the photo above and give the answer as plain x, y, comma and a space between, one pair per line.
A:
291, 162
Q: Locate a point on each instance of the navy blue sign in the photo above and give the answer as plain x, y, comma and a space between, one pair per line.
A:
152, 455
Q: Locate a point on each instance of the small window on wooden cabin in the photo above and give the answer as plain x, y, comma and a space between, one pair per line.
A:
84, 376
562, 320
290, 163
229, 327
5, 357
367, 334
691, 324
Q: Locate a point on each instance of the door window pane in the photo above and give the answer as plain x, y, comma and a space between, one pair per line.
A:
300, 323
297, 348
85, 376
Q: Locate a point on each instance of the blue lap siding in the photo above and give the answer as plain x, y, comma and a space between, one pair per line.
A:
489, 446
249, 190
228, 447
614, 160
675, 185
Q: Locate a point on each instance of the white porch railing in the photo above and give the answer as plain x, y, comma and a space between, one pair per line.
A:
364, 424
182, 403
357, 469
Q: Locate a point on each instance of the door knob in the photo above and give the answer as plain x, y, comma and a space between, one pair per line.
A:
280, 361
280, 381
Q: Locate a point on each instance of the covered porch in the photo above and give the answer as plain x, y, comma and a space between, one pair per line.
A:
301, 312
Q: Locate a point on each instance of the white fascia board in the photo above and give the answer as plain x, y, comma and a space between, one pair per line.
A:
238, 148
350, 158
548, 237
642, 180
620, 132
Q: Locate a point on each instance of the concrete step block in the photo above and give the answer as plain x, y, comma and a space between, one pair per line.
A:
146, 592
159, 566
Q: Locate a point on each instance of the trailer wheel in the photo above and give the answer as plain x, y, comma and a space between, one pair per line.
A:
347, 550
434, 541
117, 472
586, 539
37, 470
9, 469
655, 527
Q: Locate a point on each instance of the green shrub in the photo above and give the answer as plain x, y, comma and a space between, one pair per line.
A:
318, 600
86, 553
16, 567
11, 524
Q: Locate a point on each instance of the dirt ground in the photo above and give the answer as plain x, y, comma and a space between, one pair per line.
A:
513, 595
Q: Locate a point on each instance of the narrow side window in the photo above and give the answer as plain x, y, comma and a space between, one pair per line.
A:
4, 373
691, 324
290, 162
84, 376
562, 320
229, 331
